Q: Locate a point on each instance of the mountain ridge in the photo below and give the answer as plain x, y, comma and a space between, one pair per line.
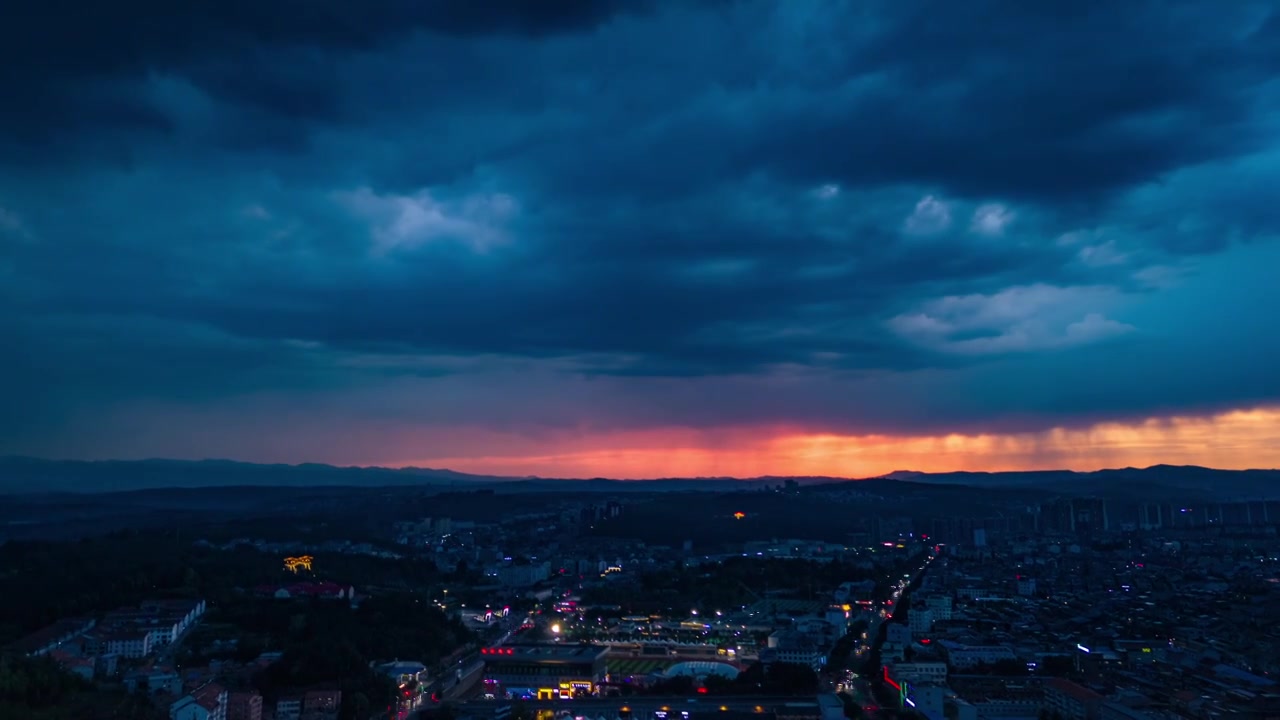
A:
28, 475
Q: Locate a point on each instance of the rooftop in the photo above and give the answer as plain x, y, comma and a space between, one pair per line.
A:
542, 653
1076, 692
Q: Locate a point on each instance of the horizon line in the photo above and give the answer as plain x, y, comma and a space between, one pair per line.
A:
518, 478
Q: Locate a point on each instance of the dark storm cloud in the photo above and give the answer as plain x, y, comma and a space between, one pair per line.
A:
342, 193
52, 53
1011, 99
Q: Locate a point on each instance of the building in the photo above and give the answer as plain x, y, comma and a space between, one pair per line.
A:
1071, 701
244, 706
186, 708
960, 656
289, 708
918, 672
184, 612
920, 620
927, 698
212, 697
1026, 586
543, 671
321, 704
852, 591
207, 703
838, 618
898, 634
940, 606
831, 706
793, 648
136, 632
131, 643
1077, 516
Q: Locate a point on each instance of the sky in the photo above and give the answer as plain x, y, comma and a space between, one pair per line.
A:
640, 239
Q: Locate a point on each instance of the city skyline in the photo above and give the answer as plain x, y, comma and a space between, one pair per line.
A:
696, 238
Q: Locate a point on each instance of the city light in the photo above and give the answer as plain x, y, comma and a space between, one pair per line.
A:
555, 628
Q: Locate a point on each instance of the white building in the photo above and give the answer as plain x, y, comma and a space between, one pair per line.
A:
789, 646
920, 621
940, 606
132, 644
812, 657
919, 672
163, 635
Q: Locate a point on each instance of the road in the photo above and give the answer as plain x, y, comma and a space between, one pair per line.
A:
866, 697
647, 706
859, 686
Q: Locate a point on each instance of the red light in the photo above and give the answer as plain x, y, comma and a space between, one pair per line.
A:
925, 641
702, 691
510, 651
889, 680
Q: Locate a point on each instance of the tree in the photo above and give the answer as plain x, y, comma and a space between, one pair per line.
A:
360, 705
1056, 665
521, 711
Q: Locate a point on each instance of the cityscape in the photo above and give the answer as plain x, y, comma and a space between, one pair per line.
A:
640, 360
657, 602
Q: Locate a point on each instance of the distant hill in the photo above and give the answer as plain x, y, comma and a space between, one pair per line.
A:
21, 475
1155, 481
30, 475
24, 475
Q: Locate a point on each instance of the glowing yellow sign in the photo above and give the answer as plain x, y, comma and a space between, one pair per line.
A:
739, 515
293, 563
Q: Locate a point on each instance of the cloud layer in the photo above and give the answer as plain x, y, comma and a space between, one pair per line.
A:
847, 218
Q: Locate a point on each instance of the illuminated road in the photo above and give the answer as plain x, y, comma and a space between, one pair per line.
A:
647, 706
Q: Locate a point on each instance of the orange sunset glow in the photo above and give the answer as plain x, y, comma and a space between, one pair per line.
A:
1233, 440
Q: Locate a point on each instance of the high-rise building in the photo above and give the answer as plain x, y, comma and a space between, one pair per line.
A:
1076, 516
